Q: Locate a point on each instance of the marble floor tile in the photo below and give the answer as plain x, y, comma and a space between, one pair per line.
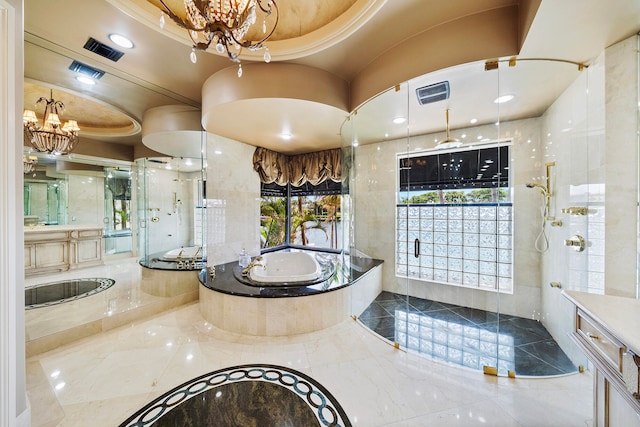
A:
103, 379
467, 337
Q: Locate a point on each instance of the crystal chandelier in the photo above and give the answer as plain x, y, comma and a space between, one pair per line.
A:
50, 137
29, 163
224, 23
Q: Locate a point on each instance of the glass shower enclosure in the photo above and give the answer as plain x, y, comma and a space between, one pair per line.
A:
439, 191
171, 213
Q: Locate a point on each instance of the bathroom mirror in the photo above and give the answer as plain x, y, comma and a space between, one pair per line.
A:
80, 190
44, 200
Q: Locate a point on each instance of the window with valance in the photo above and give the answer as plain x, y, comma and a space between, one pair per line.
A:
301, 197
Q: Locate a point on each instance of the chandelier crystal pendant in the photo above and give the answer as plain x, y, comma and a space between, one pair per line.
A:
50, 137
29, 163
224, 23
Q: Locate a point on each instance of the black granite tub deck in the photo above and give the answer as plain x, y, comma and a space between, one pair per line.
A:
338, 271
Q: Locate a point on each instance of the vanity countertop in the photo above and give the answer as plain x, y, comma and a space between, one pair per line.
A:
620, 315
54, 228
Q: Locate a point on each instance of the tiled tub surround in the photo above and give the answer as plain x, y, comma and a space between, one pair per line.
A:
467, 337
463, 245
235, 306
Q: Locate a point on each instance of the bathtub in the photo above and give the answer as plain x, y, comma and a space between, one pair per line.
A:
286, 267
237, 304
187, 252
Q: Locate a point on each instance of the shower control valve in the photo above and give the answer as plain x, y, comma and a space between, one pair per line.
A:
576, 242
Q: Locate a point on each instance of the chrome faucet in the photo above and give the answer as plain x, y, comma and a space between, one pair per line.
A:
254, 263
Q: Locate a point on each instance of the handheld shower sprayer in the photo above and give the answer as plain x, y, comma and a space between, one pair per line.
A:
546, 192
542, 188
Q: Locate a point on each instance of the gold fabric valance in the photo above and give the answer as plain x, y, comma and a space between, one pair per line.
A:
314, 168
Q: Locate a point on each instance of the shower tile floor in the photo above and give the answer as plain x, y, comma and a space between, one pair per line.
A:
466, 336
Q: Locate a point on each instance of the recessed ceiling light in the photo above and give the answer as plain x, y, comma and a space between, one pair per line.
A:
399, 120
285, 136
502, 99
86, 80
121, 41
473, 120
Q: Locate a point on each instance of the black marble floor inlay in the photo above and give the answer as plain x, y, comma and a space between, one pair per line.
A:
467, 336
47, 294
248, 395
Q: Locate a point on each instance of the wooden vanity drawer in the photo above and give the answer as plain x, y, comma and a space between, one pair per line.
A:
603, 342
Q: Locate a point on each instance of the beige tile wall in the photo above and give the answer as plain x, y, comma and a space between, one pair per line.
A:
233, 200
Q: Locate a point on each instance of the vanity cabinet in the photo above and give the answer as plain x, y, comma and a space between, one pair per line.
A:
606, 330
50, 249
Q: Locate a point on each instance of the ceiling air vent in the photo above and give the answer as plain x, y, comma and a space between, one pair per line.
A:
433, 93
102, 49
85, 69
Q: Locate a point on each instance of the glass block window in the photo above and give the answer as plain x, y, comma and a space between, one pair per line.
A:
458, 234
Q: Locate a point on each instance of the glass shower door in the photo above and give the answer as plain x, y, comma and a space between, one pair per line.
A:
372, 216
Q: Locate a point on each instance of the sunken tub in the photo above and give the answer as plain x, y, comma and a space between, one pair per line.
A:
286, 298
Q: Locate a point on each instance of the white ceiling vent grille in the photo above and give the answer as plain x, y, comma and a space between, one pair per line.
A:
433, 93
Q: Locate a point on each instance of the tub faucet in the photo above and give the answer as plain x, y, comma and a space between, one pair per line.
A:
254, 263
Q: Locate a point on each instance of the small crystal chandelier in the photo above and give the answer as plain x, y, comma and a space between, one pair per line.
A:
224, 23
29, 163
50, 137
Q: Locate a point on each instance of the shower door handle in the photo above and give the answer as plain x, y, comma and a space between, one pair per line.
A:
416, 248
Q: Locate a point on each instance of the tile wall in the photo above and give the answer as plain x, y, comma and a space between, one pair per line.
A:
233, 200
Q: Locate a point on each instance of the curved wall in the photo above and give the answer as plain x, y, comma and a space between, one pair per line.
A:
306, 103
173, 130
273, 80
476, 37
